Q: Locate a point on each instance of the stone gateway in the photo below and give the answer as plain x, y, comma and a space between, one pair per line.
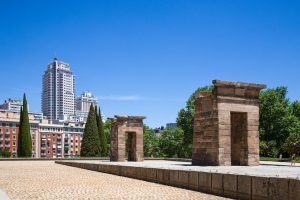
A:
132, 126
226, 125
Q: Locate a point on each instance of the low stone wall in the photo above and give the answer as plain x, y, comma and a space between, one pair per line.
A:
226, 185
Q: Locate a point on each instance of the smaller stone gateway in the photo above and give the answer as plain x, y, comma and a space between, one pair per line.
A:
133, 127
226, 125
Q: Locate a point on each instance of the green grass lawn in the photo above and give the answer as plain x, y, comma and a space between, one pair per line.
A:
278, 159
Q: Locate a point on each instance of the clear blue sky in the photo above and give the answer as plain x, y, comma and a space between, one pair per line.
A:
146, 57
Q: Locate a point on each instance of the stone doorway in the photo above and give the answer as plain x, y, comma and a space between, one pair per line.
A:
126, 140
238, 137
226, 125
131, 146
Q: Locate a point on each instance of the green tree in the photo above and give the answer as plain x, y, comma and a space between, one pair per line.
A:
185, 119
268, 149
20, 138
90, 142
96, 113
24, 137
151, 143
107, 130
171, 143
5, 154
277, 121
292, 144
296, 109
102, 135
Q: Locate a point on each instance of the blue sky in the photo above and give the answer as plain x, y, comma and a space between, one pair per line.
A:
147, 57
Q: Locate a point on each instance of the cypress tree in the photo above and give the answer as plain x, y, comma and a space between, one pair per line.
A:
90, 142
96, 113
24, 140
20, 142
102, 135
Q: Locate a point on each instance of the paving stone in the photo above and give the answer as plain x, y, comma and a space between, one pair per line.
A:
46, 180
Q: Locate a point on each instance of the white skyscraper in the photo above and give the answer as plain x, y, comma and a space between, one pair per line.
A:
58, 96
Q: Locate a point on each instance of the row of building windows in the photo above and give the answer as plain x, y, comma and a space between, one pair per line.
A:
51, 129
73, 130
7, 130
17, 125
10, 124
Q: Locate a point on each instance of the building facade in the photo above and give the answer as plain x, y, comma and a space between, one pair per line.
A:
84, 101
11, 104
9, 130
171, 126
49, 140
51, 136
58, 95
14, 106
73, 133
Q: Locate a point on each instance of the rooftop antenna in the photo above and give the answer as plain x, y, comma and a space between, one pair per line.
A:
55, 57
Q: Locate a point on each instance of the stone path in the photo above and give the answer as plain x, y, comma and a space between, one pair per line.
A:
46, 180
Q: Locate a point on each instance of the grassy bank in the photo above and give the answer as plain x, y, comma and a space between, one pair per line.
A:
278, 159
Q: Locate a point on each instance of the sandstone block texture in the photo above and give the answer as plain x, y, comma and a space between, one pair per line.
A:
133, 127
294, 189
260, 188
226, 125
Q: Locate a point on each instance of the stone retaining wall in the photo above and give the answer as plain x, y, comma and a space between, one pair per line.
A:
226, 185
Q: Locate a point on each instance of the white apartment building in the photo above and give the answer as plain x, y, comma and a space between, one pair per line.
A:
12, 104
58, 95
84, 101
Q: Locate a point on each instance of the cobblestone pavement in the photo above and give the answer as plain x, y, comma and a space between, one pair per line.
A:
47, 180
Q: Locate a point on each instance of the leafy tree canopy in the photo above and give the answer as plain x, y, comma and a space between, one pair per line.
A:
151, 141
279, 122
296, 109
185, 119
171, 143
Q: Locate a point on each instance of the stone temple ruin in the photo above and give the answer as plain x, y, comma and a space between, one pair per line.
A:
226, 126
133, 127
